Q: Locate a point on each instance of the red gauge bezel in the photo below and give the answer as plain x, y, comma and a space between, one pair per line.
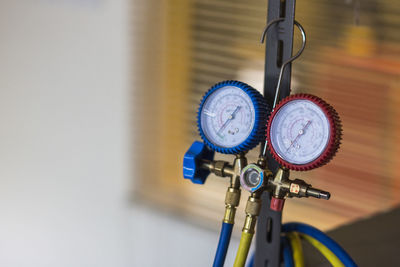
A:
334, 138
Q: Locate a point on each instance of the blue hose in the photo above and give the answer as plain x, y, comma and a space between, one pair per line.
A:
223, 244
287, 252
323, 238
251, 261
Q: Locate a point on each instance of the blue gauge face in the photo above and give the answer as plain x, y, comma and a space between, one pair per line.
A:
229, 117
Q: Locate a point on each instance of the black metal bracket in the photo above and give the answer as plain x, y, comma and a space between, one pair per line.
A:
279, 46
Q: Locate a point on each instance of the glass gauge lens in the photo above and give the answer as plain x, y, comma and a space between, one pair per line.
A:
252, 178
228, 116
302, 132
231, 117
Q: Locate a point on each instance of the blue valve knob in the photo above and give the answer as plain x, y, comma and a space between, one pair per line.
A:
192, 162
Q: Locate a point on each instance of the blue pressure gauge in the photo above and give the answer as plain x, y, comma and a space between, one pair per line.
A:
232, 117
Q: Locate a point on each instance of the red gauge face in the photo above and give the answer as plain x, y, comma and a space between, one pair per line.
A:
304, 132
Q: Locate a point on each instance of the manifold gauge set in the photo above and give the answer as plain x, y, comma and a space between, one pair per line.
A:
301, 132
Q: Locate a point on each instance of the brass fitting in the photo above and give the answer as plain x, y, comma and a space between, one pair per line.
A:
232, 196
262, 162
220, 167
281, 187
224, 169
280, 184
299, 188
253, 207
232, 199
238, 164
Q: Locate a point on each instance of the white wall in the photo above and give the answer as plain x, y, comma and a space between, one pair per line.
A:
65, 141
161, 240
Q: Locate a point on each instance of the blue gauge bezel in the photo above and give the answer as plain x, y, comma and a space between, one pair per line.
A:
261, 109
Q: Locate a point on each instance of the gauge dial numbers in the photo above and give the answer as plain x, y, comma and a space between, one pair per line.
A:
227, 116
230, 117
304, 132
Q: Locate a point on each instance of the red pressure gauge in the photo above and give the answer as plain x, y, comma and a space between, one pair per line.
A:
303, 132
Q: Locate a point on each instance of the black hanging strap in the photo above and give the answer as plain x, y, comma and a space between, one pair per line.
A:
279, 45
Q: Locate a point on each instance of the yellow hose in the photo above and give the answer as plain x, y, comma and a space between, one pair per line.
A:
297, 249
243, 250
324, 251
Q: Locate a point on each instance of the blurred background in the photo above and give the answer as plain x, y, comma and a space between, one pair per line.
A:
97, 107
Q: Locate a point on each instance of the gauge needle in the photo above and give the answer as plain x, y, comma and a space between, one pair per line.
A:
209, 113
301, 132
230, 118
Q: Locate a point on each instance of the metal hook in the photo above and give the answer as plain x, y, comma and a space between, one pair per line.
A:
303, 45
272, 22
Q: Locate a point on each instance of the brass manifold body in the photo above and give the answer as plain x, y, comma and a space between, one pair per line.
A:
279, 185
232, 197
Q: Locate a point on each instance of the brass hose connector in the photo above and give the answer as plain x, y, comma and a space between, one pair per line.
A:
218, 167
253, 207
232, 199
299, 188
